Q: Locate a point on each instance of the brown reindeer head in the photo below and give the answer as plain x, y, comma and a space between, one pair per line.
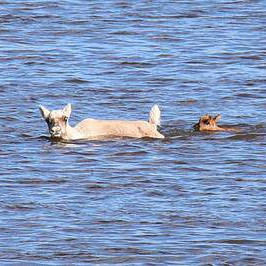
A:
57, 120
208, 123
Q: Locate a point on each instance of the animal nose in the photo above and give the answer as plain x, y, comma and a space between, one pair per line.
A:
54, 130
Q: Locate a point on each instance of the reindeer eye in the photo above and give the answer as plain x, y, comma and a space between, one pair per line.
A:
65, 118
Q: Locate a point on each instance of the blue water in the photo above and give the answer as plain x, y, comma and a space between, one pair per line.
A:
191, 199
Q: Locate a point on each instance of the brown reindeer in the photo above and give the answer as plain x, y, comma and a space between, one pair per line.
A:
209, 123
57, 121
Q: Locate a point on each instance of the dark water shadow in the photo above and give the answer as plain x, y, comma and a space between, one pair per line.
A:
238, 132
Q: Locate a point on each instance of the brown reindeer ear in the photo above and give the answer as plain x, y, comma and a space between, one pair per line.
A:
44, 111
205, 119
217, 118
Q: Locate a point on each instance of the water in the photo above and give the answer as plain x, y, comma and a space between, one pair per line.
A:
191, 199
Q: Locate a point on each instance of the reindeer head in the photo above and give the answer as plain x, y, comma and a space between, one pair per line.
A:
207, 123
57, 120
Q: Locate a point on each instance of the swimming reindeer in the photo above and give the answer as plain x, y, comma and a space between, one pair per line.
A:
209, 123
59, 128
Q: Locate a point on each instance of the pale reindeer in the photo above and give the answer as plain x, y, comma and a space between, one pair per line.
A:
209, 123
59, 128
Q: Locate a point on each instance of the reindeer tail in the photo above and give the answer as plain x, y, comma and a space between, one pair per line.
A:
155, 116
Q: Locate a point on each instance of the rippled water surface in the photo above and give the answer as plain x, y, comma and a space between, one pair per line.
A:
190, 199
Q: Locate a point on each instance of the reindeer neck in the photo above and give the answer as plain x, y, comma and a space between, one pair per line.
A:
71, 133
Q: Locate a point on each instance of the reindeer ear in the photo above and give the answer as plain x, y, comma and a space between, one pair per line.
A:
204, 118
67, 110
217, 118
44, 111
